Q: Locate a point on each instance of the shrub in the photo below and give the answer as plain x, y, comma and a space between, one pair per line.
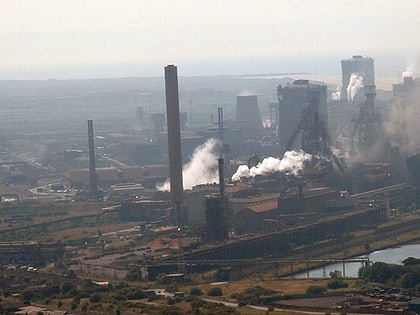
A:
136, 295
67, 286
76, 300
215, 291
251, 295
337, 283
196, 291
120, 297
161, 278
315, 290
95, 298
335, 274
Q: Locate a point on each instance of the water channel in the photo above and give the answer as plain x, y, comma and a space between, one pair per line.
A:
393, 255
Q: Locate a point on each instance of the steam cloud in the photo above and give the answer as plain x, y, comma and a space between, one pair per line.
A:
355, 83
245, 93
403, 126
336, 95
408, 72
201, 169
291, 162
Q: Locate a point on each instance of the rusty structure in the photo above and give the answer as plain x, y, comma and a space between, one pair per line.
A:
368, 124
30, 252
217, 217
324, 218
303, 113
278, 244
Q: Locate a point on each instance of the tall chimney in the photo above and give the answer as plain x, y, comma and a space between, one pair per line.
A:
93, 182
221, 178
174, 137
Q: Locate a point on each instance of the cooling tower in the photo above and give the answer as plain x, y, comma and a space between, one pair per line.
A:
248, 112
174, 135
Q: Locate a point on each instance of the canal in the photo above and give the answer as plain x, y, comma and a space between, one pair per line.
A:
393, 255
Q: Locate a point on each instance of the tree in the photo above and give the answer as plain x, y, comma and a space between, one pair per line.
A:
161, 278
67, 286
216, 291
27, 296
96, 298
410, 280
196, 291
74, 306
378, 272
337, 283
411, 261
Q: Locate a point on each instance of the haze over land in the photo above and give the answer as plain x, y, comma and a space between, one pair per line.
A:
44, 39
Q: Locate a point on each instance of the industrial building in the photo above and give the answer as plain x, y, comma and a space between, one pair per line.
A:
216, 219
406, 86
290, 208
263, 215
358, 64
301, 105
32, 252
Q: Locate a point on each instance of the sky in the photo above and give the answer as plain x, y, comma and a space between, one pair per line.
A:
42, 39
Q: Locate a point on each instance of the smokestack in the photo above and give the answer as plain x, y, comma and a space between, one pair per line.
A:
220, 121
174, 136
221, 179
93, 182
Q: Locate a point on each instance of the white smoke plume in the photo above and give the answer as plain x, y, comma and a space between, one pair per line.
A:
201, 169
409, 72
335, 96
245, 93
292, 162
355, 83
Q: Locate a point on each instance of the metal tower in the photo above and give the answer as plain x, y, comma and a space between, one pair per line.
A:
368, 123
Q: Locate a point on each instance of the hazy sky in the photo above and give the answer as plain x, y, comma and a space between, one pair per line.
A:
108, 38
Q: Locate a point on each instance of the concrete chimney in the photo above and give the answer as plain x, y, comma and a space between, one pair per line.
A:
93, 180
174, 136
